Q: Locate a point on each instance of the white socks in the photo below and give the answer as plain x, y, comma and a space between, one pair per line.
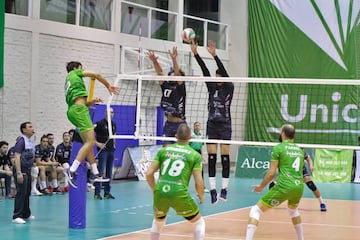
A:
74, 165
251, 228
212, 182
299, 231
225, 183
199, 229
156, 229
94, 169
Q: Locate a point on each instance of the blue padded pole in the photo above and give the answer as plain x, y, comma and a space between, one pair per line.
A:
77, 196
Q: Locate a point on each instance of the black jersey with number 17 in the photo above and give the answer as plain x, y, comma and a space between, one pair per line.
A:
173, 99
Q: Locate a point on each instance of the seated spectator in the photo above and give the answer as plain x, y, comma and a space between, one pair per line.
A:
5, 168
45, 165
62, 156
51, 147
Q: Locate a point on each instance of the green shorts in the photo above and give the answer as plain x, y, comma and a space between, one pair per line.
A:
278, 194
79, 116
181, 202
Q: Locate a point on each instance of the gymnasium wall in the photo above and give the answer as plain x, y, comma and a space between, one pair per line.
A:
35, 54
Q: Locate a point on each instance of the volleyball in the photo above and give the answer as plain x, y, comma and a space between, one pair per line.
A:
188, 35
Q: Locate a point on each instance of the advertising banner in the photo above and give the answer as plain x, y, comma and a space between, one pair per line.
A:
333, 165
252, 162
136, 161
304, 39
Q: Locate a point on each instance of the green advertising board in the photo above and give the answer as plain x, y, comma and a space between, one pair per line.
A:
304, 39
252, 162
333, 165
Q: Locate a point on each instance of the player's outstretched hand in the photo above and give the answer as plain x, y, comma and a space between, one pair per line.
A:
211, 48
151, 56
92, 102
173, 54
114, 90
257, 188
193, 47
201, 198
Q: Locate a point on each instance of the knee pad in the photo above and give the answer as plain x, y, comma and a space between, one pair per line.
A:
34, 171
311, 185
225, 162
212, 165
293, 212
255, 212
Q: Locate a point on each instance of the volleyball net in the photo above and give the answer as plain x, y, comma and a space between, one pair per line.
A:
324, 112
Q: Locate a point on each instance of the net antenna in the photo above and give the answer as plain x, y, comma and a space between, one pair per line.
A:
330, 122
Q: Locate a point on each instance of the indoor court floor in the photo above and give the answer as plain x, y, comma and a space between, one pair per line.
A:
129, 216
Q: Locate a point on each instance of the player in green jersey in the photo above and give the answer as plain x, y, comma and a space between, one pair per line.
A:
176, 163
288, 159
78, 114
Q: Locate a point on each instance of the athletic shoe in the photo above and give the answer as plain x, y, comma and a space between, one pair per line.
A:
57, 191
31, 217
90, 186
223, 194
206, 190
18, 221
97, 196
71, 177
98, 178
36, 192
323, 207
45, 191
214, 197
108, 196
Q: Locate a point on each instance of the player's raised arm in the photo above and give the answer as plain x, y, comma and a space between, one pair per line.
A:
151, 55
99, 77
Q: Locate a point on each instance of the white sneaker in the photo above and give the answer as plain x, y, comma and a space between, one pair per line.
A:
32, 217
18, 221
36, 192
90, 186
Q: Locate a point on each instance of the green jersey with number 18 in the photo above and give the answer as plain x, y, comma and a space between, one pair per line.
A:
290, 158
177, 161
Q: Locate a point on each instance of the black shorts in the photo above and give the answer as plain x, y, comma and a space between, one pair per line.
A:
218, 130
306, 172
170, 129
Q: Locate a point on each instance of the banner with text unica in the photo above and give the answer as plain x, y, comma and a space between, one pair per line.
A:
333, 165
252, 162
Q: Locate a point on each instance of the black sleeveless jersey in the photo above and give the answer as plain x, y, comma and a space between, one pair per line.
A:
173, 99
220, 97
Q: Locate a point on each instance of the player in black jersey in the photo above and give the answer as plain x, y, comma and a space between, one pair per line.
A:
173, 95
219, 120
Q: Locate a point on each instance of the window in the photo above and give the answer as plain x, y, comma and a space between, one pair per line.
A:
96, 14
19, 7
58, 10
